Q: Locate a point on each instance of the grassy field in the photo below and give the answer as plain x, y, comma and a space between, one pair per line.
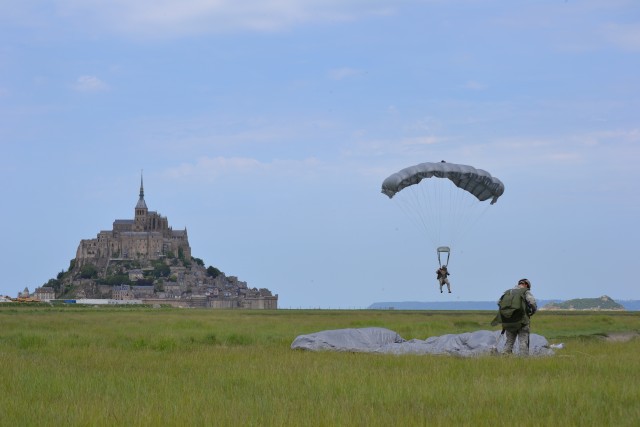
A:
105, 366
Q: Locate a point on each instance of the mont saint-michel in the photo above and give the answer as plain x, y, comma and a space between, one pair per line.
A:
145, 260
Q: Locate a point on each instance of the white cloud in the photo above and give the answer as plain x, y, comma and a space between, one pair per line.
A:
211, 167
473, 85
90, 84
401, 150
170, 18
207, 166
631, 136
625, 36
421, 140
564, 156
619, 147
343, 73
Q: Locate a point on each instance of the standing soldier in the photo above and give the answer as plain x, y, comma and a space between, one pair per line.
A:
517, 305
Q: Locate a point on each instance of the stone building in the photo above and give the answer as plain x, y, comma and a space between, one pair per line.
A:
44, 293
145, 237
122, 292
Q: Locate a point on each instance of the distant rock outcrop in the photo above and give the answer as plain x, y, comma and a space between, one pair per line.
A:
602, 303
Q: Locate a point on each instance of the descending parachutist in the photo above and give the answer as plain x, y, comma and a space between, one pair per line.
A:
442, 273
445, 199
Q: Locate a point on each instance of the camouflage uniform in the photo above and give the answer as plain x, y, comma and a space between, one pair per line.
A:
442, 278
523, 333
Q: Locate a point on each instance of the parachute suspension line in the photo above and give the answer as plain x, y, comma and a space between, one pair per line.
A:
468, 211
433, 197
443, 211
465, 212
474, 220
420, 205
404, 206
459, 210
415, 205
443, 249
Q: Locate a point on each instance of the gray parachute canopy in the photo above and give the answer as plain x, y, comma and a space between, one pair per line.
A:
386, 341
478, 182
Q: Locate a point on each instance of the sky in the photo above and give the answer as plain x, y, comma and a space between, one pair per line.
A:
266, 127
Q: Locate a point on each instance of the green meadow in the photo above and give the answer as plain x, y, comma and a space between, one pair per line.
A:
132, 366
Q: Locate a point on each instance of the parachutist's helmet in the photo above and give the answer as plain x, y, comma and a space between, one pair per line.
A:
525, 282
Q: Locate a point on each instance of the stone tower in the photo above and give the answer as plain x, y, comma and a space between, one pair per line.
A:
146, 237
141, 210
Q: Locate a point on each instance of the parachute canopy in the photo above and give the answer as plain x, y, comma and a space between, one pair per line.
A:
386, 341
478, 182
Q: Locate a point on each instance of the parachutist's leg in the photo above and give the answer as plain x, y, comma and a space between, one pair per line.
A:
511, 339
523, 338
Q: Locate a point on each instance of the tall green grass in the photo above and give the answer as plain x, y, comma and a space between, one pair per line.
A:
143, 367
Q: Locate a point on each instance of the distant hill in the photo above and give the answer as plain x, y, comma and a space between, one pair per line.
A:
602, 303
630, 305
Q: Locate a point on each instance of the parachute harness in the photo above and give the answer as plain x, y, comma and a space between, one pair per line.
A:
444, 249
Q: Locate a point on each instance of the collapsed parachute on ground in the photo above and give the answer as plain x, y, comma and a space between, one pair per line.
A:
386, 341
478, 182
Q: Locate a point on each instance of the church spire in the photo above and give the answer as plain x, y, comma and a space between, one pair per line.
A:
141, 186
141, 203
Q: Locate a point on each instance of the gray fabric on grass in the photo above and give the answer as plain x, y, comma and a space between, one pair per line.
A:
386, 341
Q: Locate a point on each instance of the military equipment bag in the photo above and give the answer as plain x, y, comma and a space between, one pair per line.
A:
512, 309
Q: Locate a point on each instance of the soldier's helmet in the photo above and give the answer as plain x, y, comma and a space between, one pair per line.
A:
525, 282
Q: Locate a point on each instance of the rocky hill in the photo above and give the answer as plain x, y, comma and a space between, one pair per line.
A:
172, 279
602, 303
146, 259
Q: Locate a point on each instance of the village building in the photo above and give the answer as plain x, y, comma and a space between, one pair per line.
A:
122, 292
44, 293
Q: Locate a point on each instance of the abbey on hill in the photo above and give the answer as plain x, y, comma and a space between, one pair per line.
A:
146, 237
144, 260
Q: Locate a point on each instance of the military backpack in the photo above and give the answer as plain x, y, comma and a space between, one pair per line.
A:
512, 309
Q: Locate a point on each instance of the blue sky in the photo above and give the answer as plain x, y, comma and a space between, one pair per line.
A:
267, 127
